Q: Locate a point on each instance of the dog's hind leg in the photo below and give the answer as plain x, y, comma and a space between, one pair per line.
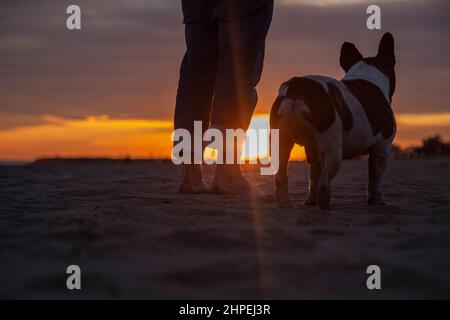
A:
281, 179
377, 165
314, 175
314, 172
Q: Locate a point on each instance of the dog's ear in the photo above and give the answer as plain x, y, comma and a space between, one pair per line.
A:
386, 55
349, 56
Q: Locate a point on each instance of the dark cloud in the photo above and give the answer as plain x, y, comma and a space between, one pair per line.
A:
125, 60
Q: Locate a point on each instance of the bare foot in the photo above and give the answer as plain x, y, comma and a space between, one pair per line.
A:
229, 179
193, 180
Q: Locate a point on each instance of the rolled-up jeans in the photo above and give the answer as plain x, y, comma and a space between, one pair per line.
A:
221, 68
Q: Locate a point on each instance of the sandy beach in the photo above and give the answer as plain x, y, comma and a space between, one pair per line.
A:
134, 236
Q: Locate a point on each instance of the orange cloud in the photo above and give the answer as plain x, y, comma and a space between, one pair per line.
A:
423, 120
102, 136
94, 136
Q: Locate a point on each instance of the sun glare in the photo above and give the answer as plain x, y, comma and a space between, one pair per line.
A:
258, 148
102, 136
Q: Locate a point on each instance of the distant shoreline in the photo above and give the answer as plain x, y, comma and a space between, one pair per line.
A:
78, 160
87, 160
105, 160
14, 163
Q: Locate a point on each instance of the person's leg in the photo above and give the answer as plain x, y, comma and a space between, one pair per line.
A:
195, 92
241, 56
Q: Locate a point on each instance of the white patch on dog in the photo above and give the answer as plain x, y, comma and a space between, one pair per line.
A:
285, 109
364, 71
301, 105
282, 92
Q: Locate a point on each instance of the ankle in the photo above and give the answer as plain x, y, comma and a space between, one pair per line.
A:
228, 169
192, 172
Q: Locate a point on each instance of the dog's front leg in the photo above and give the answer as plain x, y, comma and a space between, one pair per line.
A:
281, 179
330, 160
323, 187
377, 165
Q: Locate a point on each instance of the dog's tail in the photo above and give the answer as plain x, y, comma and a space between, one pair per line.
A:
281, 106
282, 109
291, 112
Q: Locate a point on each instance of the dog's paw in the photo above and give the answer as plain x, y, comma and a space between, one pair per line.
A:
323, 199
376, 200
324, 206
283, 199
311, 200
284, 204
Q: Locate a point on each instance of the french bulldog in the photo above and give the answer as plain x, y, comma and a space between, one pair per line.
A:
338, 119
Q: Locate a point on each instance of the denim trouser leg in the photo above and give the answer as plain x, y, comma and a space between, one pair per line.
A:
197, 76
220, 70
241, 57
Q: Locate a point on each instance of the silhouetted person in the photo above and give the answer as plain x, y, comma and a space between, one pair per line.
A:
223, 64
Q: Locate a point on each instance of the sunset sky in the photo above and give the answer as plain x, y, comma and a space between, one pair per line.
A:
109, 89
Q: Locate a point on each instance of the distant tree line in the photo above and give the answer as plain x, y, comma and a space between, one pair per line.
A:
431, 147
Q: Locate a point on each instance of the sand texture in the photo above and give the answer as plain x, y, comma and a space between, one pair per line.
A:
134, 236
